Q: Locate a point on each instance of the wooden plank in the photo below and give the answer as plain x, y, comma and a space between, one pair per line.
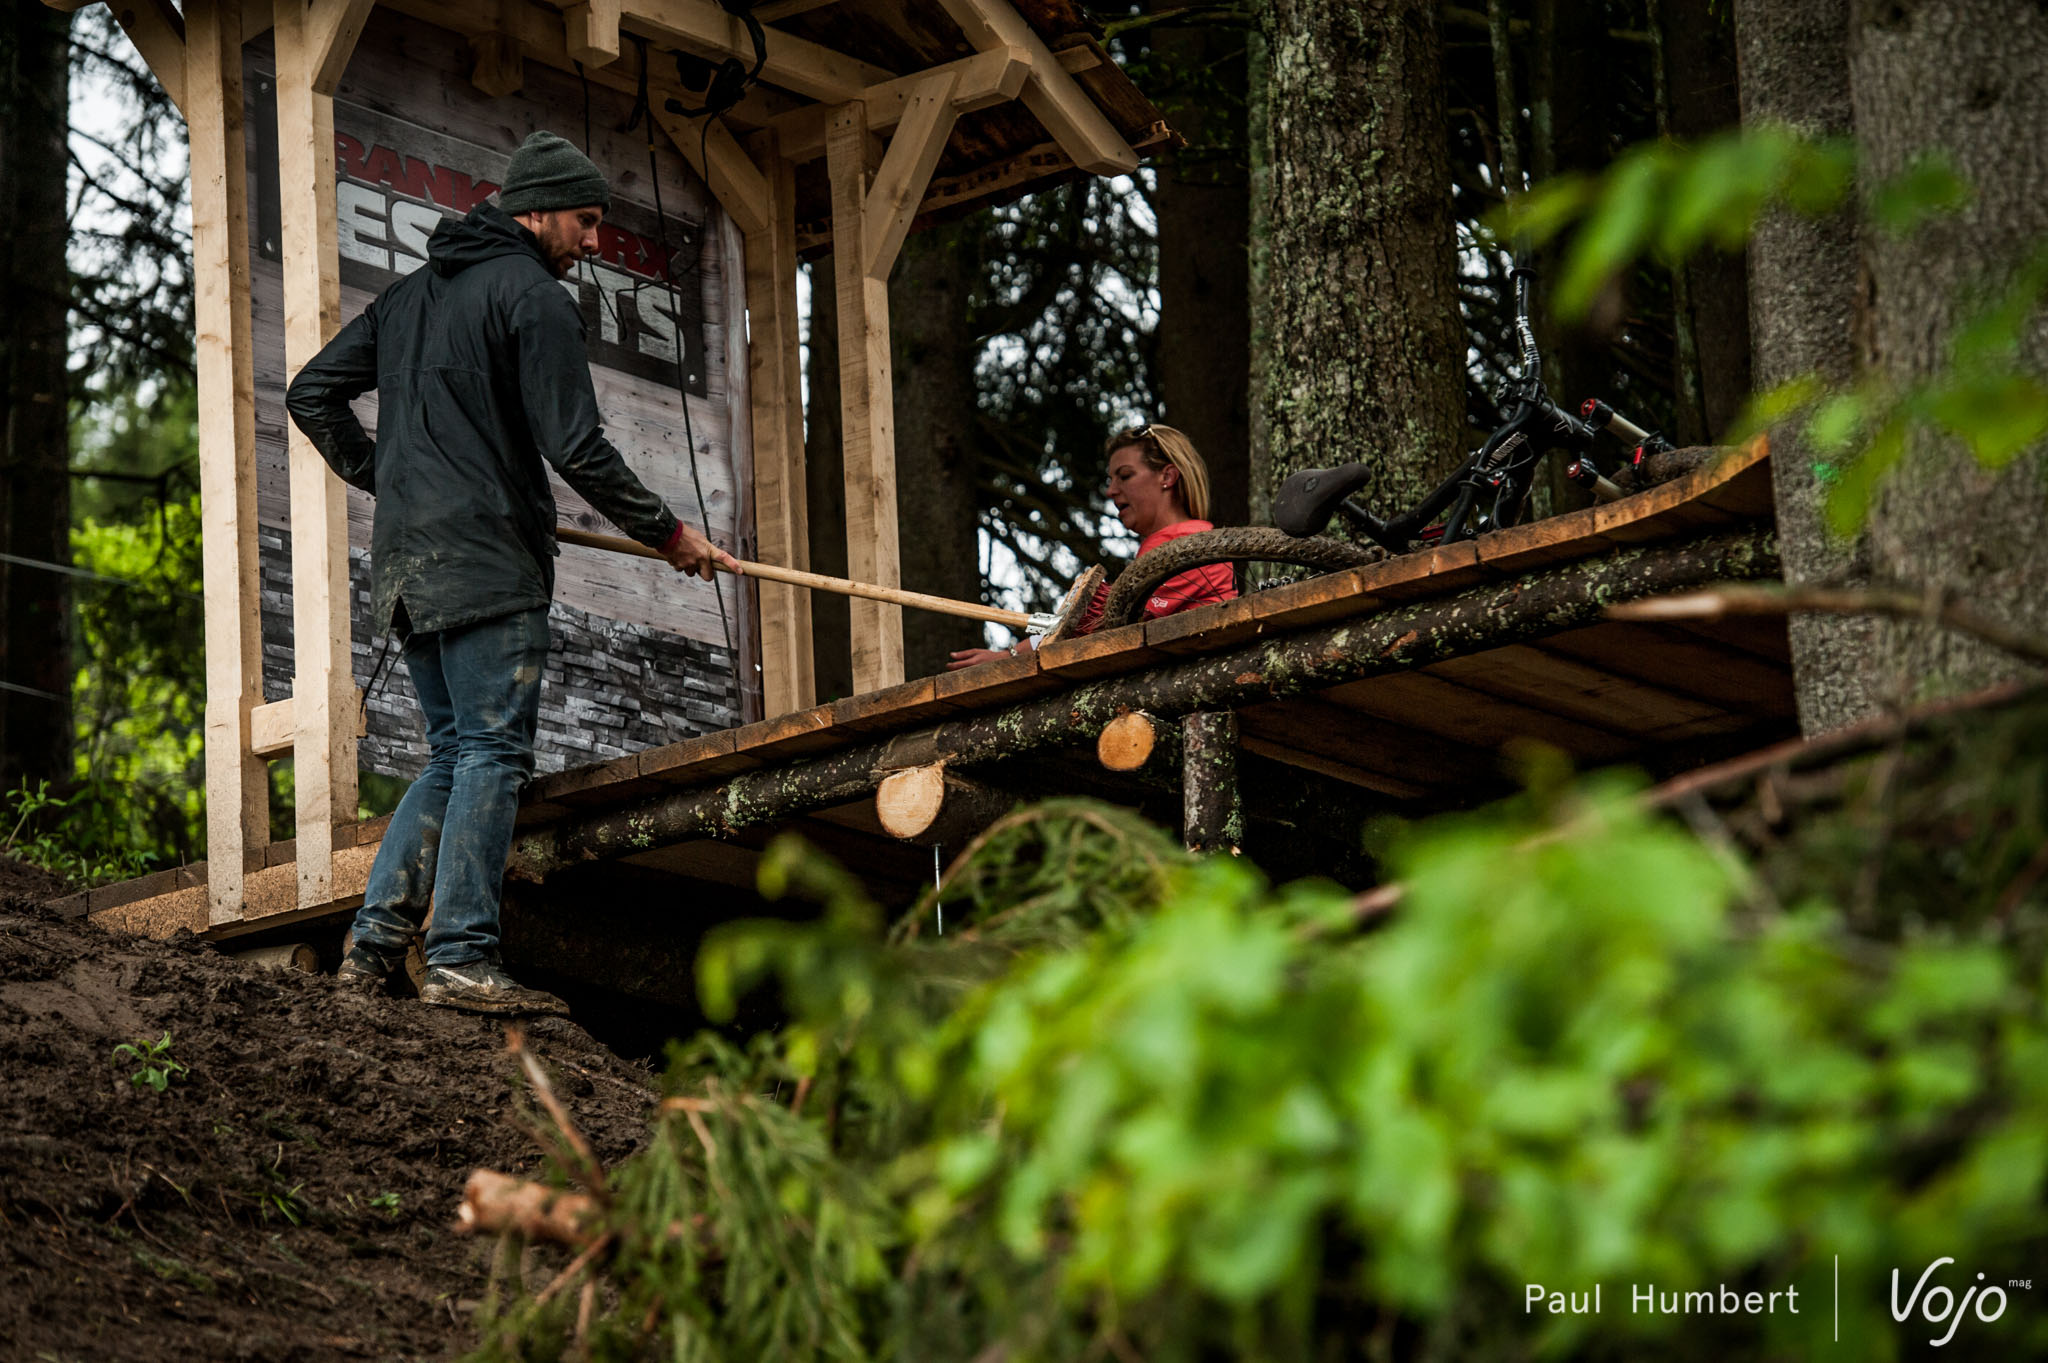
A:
1429, 704
1587, 694
1526, 548
1083, 657
985, 79
1050, 93
332, 27
994, 683
596, 784
792, 735
1436, 571
592, 29
724, 166
1207, 628
710, 860
1328, 596
775, 379
311, 42
897, 707
867, 410
1323, 765
906, 170
1758, 635
1684, 664
796, 64
237, 786
694, 761
775, 11
158, 32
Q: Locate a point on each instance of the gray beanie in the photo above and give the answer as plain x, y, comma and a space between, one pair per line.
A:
548, 173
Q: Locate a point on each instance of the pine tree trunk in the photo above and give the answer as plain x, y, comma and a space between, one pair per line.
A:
1964, 77
1698, 47
1204, 207
35, 484
1793, 57
1363, 347
937, 498
825, 489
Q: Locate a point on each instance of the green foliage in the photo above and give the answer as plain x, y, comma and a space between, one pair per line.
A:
1667, 200
157, 1066
388, 1203
138, 701
68, 835
1136, 1103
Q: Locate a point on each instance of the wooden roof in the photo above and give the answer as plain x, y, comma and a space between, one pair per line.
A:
1418, 726
838, 50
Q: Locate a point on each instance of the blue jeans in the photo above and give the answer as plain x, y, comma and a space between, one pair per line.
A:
479, 690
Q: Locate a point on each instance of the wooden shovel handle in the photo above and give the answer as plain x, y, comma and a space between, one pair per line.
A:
768, 572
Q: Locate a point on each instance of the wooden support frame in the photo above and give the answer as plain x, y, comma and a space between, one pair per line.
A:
906, 169
593, 30
775, 389
724, 166
1052, 95
237, 786
984, 79
158, 32
313, 45
795, 64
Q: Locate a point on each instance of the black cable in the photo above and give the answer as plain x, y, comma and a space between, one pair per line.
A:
643, 111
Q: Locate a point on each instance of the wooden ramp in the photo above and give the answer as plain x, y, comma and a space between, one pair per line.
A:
1399, 686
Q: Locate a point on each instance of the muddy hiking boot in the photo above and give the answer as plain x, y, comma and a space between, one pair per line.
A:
366, 970
482, 987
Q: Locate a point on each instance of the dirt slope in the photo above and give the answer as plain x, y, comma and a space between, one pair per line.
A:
290, 1197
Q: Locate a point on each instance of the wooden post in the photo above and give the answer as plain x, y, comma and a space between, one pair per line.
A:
237, 786
312, 48
927, 805
1212, 816
867, 406
775, 386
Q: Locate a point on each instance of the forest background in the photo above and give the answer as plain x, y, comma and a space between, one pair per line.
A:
1133, 1106
1318, 275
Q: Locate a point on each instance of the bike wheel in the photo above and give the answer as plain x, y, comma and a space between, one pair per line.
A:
1238, 544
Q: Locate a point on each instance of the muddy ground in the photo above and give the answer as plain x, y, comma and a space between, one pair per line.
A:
291, 1194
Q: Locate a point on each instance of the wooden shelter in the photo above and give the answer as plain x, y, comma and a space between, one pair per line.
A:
1277, 722
868, 118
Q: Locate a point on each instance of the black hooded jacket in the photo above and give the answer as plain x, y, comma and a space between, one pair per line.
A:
481, 373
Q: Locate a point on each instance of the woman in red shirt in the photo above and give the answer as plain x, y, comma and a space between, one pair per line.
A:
1160, 488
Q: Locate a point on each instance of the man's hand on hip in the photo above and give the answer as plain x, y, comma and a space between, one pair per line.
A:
687, 551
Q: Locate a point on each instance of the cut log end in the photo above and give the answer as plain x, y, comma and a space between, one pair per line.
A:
1128, 741
908, 802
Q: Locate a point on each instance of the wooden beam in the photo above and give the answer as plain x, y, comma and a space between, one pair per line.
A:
927, 806
775, 11
732, 177
985, 79
1052, 95
237, 786
69, 6
703, 27
158, 32
867, 408
774, 387
500, 68
907, 168
331, 28
593, 31
1212, 814
274, 727
313, 45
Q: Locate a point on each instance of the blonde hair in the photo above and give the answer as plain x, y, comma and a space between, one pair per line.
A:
1163, 445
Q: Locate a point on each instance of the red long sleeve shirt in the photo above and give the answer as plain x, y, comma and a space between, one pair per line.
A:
1195, 587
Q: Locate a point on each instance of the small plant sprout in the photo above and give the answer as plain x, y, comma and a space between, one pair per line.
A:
387, 1203
159, 1068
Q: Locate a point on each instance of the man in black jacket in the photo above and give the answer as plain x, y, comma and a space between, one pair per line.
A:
482, 381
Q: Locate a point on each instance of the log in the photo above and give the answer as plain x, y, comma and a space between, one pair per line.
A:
493, 1203
1212, 817
928, 805
1136, 741
299, 956
1530, 607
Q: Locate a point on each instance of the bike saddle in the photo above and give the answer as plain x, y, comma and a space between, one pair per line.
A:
1308, 499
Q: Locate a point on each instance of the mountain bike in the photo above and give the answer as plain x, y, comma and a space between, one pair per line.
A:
1488, 491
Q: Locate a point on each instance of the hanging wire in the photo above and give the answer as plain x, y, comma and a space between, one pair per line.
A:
642, 114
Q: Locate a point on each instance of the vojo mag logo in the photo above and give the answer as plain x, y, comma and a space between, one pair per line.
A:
1937, 1305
